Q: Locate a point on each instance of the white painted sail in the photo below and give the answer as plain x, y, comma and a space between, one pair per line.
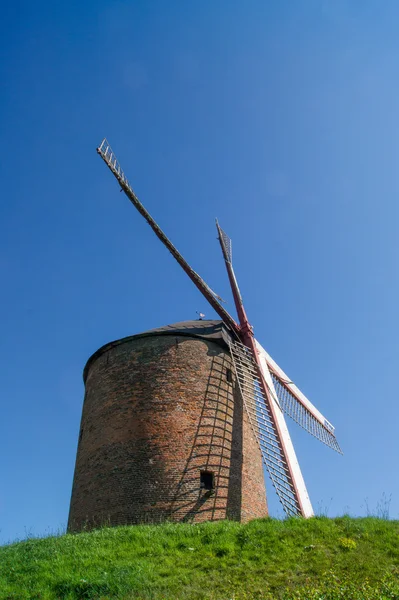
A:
282, 467
295, 404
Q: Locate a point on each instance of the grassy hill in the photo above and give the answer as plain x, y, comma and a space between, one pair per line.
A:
323, 559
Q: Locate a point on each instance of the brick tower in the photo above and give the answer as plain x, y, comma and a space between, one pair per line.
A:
163, 433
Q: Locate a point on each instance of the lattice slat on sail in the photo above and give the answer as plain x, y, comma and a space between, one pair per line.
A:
294, 409
106, 152
227, 243
262, 424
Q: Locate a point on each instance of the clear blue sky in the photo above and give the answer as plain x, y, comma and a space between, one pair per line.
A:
279, 118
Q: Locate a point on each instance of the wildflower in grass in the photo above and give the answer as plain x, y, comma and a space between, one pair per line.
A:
347, 543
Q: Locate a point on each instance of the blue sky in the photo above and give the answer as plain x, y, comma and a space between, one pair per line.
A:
279, 118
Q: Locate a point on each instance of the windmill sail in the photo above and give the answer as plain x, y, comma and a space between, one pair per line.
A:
295, 404
108, 156
227, 250
281, 464
262, 405
279, 395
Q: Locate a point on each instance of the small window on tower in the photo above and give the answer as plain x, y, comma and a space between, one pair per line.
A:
207, 480
229, 375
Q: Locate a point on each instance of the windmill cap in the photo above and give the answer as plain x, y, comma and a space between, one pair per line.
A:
211, 330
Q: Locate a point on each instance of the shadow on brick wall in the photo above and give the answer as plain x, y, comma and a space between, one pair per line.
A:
216, 448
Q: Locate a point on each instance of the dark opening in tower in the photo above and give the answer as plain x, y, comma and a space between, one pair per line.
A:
207, 480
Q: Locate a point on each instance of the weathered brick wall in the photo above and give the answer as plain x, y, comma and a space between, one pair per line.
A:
157, 411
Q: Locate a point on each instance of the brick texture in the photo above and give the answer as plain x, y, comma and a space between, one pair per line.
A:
158, 410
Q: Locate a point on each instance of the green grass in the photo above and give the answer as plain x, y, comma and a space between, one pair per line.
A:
317, 559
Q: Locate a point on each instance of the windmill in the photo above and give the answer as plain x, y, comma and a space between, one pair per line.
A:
267, 392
